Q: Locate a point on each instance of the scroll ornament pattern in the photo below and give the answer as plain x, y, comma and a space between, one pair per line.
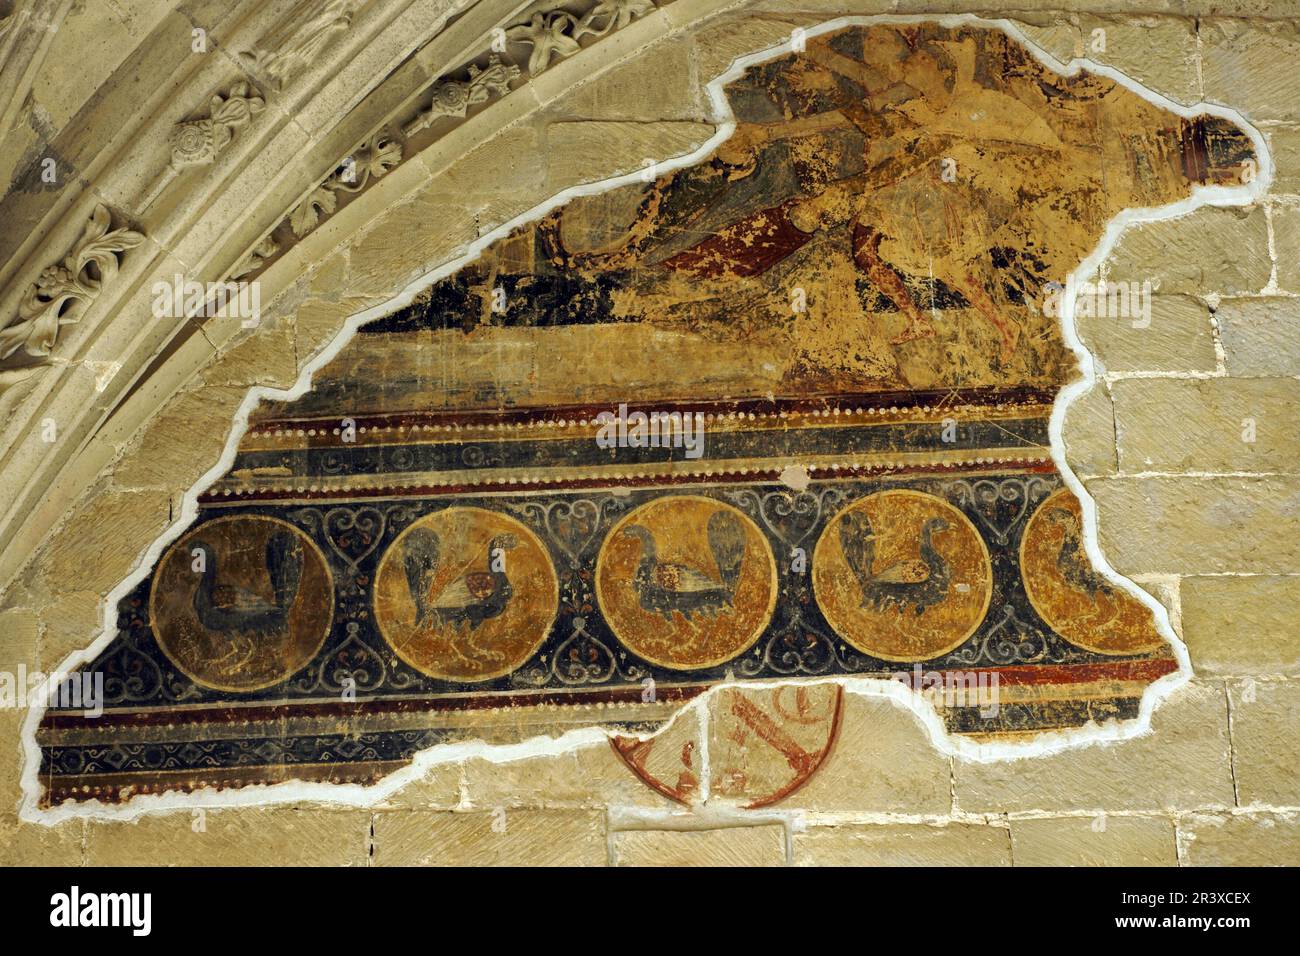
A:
63, 292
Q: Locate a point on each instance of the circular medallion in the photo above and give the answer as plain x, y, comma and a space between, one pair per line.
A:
241, 602
902, 575
686, 582
466, 594
1070, 594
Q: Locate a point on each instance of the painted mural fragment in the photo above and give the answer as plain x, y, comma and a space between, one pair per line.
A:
493, 516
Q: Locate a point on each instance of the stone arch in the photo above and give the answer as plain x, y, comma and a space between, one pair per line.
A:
212, 217
326, 287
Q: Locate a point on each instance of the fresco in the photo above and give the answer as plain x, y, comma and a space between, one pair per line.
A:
780, 415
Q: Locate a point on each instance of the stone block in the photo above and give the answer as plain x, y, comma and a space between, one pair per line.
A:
1089, 433
497, 838
1254, 839
1181, 764
727, 846
587, 152
103, 539
1094, 841
181, 441
1223, 250
1246, 64
1186, 525
1286, 243
955, 844
1266, 741
1242, 624
1179, 338
1259, 336
1158, 52
1218, 425
242, 837
660, 84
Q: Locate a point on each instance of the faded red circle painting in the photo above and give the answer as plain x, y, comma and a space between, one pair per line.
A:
764, 744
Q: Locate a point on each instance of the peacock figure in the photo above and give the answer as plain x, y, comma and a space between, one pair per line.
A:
1072, 561
243, 617
469, 600
916, 583
664, 587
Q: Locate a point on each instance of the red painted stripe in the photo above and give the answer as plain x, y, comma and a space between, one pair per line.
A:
1027, 674
1024, 674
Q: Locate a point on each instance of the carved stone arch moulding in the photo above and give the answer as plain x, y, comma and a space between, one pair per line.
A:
384, 565
230, 151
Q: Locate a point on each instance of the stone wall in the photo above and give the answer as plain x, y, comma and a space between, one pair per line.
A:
1205, 519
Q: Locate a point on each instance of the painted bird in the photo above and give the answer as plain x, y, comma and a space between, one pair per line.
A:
472, 598
664, 588
230, 609
916, 583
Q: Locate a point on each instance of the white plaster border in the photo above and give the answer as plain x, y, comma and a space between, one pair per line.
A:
1047, 742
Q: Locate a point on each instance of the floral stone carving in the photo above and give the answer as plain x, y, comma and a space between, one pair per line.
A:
453, 97
62, 293
557, 32
199, 142
377, 157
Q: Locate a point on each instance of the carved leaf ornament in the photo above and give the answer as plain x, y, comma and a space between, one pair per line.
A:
63, 291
